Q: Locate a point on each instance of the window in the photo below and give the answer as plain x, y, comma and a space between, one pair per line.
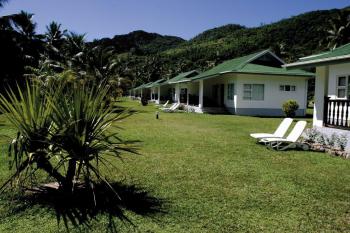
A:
287, 88
343, 87
230, 91
253, 91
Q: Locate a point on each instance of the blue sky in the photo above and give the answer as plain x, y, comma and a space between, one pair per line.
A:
184, 18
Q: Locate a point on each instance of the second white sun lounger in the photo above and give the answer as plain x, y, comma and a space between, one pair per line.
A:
288, 142
279, 133
162, 108
166, 104
172, 108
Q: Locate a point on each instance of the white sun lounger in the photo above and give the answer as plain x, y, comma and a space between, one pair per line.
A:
166, 104
279, 133
172, 108
288, 142
162, 108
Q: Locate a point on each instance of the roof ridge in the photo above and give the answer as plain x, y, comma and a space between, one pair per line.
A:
256, 55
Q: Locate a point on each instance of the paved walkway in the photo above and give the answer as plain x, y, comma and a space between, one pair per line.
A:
329, 131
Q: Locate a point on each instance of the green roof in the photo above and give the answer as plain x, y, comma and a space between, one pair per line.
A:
260, 69
244, 65
145, 85
183, 77
340, 53
139, 87
157, 83
227, 66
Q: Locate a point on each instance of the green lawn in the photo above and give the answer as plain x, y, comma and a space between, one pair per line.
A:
213, 178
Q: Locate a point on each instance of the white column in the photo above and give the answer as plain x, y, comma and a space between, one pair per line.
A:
187, 97
321, 90
177, 93
201, 85
151, 93
158, 95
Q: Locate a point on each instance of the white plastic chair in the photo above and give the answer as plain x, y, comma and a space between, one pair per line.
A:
169, 107
279, 133
288, 142
166, 103
172, 108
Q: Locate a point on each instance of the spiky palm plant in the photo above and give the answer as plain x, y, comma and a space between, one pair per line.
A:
65, 131
29, 112
82, 124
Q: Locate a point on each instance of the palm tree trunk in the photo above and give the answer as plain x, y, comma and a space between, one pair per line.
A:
68, 184
44, 164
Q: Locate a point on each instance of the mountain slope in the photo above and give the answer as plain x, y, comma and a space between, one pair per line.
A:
140, 42
146, 56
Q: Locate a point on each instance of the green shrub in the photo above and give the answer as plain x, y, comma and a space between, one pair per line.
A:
290, 107
64, 130
144, 102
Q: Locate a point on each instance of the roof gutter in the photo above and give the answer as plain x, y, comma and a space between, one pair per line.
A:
316, 62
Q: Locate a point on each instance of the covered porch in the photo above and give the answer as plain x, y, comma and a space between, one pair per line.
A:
207, 95
332, 87
332, 98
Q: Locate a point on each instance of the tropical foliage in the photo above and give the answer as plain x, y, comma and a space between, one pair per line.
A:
138, 57
339, 33
64, 130
290, 107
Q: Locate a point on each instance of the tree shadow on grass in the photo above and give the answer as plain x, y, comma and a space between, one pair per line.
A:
84, 206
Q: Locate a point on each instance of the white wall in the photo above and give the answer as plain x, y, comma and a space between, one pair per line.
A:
273, 97
334, 72
321, 89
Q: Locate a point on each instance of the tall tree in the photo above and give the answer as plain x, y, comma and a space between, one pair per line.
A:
339, 33
2, 3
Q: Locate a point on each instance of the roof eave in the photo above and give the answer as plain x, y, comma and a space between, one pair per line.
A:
317, 62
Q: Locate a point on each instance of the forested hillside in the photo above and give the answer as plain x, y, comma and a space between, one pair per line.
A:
138, 57
140, 42
289, 38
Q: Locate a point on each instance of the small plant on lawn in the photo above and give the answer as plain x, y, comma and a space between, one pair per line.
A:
64, 130
310, 135
290, 107
144, 101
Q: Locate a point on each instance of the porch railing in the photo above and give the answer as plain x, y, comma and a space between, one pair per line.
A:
337, 113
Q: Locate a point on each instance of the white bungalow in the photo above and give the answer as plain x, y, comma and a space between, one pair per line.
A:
175, 89
332, 87
255, 84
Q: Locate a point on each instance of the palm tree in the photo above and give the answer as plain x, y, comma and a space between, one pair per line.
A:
24, 25
2, 3
64, 130
75, 50
339, 33
54, 38
55, 35
100, 63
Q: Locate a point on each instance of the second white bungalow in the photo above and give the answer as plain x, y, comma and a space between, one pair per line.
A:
175, 89
255, 85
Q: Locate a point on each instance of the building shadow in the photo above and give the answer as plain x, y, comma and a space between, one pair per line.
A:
78, 210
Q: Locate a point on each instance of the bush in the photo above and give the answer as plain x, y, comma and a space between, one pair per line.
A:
144, 102
64, 130
290, 107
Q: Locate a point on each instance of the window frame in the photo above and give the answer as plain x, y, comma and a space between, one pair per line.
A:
346, 87
251, 89
292, 88
230, 91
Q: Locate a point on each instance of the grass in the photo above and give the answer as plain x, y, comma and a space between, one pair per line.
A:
214, 178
